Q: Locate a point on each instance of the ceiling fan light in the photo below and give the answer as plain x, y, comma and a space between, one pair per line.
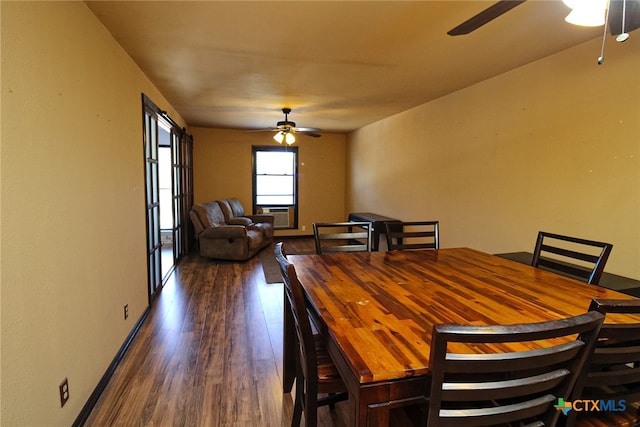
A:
279, 137
572, 4
584, 19
289, 138
586, 13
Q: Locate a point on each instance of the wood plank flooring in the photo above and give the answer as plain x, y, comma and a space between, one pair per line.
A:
208, 354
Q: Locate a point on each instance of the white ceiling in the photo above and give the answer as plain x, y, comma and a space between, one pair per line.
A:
339, 65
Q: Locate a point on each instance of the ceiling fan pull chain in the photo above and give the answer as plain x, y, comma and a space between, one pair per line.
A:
623, 36
604, 35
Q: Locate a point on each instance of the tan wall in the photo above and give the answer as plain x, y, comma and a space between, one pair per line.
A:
551, 146
222, 168
73, 217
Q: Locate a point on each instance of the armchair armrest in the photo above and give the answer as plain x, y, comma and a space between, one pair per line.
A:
240, 220
224, 232
261, 218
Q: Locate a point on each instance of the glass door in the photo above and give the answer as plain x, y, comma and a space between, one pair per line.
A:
152, 191
168, 152
182, 151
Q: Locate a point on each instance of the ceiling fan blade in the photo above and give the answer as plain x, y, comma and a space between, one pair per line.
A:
263, 130
309, 133
632, 16
489, 14
308, 130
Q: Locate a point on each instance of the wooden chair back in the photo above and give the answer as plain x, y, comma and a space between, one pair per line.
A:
579, 258
479, 380
304, 334
342, 236
315, 371
404, 235
613, 373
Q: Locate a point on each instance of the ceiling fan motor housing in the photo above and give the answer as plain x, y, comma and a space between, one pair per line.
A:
287, 124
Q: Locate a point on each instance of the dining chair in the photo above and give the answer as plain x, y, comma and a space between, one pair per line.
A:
403, 235
315, 372
341, 236
485, 375
613, 373
579, 258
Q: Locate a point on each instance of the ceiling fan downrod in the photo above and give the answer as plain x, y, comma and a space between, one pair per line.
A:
286, 121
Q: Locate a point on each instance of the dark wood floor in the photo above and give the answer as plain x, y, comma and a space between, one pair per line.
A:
209, 353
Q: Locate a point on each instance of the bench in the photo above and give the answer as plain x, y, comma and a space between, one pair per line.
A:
377, 225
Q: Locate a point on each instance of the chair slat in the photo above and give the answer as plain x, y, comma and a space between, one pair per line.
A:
570, 254
567, 269
495, 415
623, 376
513, 361
475, 391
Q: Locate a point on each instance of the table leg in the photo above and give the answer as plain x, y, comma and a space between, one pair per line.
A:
378, 415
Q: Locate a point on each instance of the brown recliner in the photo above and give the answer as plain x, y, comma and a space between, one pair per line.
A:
219, 239
234, 214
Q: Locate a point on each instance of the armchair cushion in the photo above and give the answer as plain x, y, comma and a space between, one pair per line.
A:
209, 214
234, 214
224, 232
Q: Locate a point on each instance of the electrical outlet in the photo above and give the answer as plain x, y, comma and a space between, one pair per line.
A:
304, 228
64, 392
126, 311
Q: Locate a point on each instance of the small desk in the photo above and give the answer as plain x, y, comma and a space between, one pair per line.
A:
377, 225
376, 311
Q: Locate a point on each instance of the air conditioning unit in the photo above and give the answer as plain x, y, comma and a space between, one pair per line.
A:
280, 216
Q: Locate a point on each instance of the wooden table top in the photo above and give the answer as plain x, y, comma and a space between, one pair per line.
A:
380, 307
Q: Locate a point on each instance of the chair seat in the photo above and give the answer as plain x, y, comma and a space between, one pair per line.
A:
613, 375
628, 418
329, 380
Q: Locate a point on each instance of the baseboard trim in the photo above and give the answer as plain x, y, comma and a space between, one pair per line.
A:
102, 384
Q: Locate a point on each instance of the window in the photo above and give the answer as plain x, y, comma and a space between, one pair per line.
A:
275, 184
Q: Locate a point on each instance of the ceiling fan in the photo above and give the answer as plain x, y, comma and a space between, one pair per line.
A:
630, 9
286, 129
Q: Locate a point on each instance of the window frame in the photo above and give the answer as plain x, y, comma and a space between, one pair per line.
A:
257, 208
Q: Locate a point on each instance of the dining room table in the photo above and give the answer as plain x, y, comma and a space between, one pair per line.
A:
376, 312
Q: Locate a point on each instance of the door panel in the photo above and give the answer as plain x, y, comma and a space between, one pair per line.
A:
153, 204
182, 191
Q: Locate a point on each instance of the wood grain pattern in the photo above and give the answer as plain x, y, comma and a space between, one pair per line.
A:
210, 354
378, 309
